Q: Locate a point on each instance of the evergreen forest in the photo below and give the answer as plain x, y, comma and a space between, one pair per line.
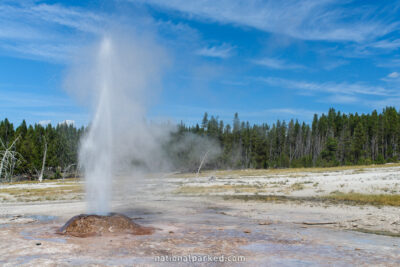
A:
331, 139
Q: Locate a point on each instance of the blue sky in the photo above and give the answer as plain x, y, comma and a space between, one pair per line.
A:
266, 60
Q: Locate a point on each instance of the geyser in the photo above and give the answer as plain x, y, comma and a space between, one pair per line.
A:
97, 154
118, 77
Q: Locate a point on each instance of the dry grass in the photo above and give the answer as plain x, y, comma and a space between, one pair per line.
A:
376, 232
334, 199
263, 198
56, 181
365, 199
42, 194
291, 172
218, 189
297, 187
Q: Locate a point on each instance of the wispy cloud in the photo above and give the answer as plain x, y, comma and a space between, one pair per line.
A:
369, 49
330, 65
308, 20
275, 63
340, 99
387, 45
392, 79
221, 51
329, 87
44, 31
391, 63
84, 21
52, 52
382, 103
394, 74
31, 100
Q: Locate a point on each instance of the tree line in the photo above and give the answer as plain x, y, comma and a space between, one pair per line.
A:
331, 139
22, 150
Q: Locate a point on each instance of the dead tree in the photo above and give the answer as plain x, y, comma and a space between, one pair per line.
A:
9, 158
202, 162
66, 169
44, 160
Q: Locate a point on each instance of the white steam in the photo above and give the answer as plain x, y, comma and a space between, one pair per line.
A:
117, 78
190, 150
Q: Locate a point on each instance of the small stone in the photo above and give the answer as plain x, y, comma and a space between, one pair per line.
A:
38, 244
247, 231
171, 232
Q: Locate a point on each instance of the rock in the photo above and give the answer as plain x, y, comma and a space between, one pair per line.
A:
38, 244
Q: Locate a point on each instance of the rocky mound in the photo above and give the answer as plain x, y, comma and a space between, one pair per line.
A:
85, 225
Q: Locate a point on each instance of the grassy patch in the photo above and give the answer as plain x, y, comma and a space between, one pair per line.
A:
337, 198
57, 181
218, 189
268, 198
40, 194
291, 172
297, 187
365, 199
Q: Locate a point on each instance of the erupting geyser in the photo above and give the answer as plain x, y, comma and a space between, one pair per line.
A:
96, 154
117, 77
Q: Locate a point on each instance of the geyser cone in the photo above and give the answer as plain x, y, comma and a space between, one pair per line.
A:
85, 225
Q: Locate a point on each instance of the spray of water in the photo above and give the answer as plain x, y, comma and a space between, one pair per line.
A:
118, 77
96, 153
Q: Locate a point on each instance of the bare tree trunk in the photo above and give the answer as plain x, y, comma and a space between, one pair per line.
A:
44, 160
4, 157
7, 153
2, 163
66, 169
308, 144
202, 162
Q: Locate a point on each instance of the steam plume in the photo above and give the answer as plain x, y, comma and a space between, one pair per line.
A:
117, 77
